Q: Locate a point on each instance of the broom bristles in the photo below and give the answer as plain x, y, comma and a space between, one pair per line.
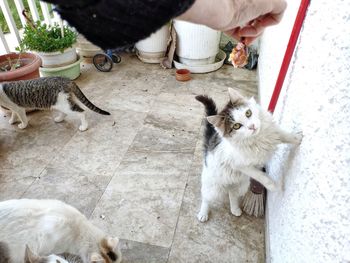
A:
253, 204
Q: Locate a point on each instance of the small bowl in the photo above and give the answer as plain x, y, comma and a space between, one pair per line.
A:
183, 75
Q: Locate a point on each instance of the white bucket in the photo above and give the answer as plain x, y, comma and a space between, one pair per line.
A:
196, 44
152, 49
58, 59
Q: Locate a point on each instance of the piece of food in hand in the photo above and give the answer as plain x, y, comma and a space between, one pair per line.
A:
239, 55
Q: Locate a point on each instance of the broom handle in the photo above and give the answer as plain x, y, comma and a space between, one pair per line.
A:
288, 54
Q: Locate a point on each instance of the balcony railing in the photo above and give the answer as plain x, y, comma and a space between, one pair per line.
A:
9, 41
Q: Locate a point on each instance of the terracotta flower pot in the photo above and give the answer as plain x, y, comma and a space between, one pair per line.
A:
29, 68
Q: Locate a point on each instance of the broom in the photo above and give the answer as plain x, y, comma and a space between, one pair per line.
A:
254, 200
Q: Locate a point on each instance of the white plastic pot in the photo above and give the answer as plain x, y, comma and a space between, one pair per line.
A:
196, 44
58, 59
71, 71
152, 49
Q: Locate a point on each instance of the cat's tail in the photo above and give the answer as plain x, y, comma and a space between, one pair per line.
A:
210, 109
81, 97
209, 104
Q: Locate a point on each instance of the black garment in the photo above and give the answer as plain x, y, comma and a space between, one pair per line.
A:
119, 23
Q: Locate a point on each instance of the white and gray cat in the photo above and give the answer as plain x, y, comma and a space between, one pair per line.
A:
238, 142
28, 257
31, 257
57, 93
53, 227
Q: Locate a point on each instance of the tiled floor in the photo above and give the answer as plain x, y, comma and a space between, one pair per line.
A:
136, 173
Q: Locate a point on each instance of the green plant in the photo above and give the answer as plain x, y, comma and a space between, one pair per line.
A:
42, 38
15, 14
11, 64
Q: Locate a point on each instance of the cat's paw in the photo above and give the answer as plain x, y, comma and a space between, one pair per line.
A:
202, 217
236, 212
59, 119
273, 187
12, 121
22, 125
83, 128
297, 138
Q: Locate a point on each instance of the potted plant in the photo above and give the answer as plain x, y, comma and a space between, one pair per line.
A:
153, 48
196, 44
55, 46
19, 66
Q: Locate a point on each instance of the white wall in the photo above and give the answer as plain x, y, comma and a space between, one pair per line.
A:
309, 221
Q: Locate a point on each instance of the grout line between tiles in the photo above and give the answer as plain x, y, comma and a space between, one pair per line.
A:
48, 163
121, 160
184, 192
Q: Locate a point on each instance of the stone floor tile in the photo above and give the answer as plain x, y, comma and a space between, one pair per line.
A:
156, 137
143, 215
78, 188
224, 238
151, 171
15, 189
101, 148
143, 199
175, 111
137, 252
32, 148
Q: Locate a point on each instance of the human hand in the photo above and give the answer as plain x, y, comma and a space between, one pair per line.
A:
256, 16
237, 18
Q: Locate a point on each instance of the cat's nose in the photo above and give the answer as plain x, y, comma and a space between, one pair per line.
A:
252, 127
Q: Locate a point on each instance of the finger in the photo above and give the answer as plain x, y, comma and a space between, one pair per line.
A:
252, 30
234, 33
279, 9
269, 20
257, 27
249, 40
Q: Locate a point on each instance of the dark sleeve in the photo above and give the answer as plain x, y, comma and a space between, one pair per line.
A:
119, 23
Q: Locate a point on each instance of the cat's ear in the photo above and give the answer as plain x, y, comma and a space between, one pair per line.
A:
252, 100
215, 120
235, 96
109, 248
96, 258
29, 256
112, 242
109, 244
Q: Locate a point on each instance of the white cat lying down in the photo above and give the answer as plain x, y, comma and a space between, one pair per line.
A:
53, 227
28, 257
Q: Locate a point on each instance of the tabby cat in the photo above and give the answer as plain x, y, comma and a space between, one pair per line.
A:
238, 142
57, 93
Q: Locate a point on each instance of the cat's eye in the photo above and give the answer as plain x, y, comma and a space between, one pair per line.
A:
236, 126
248, 113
